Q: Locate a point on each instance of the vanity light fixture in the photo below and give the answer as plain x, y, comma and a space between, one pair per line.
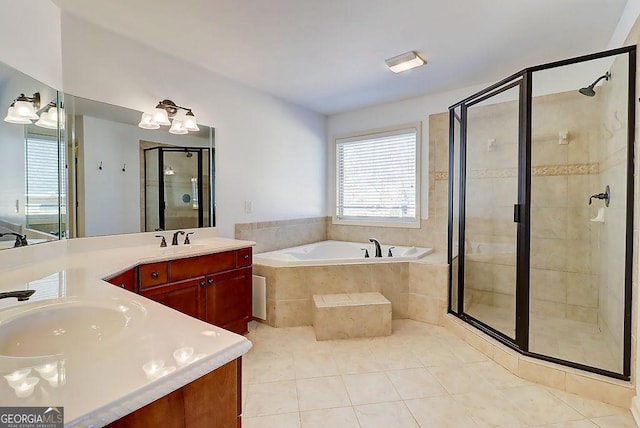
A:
49, 118
23, 109
165, 110
405, 61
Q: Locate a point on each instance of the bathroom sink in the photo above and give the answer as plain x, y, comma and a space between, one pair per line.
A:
64, 327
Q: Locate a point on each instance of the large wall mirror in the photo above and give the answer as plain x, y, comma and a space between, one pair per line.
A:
81, 168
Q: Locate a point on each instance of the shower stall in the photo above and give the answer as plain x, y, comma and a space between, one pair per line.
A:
541, 210
177, 188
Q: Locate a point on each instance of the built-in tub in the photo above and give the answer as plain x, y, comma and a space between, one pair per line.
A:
286, 280
337, 253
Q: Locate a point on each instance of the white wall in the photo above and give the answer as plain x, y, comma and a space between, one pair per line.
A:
31, 39
268, 151
410, 110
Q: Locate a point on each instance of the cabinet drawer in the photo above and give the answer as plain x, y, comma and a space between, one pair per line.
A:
153, 274
203, 265
243, 257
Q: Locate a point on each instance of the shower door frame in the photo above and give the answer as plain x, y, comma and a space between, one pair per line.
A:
522, 210
202, 152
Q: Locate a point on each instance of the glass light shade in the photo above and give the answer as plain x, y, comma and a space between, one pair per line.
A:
189, 123
177, 128
146, 122
13, 118
160, 116
25, 109
46, 122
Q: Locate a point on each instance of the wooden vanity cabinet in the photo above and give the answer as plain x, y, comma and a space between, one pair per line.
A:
127, 280
183, 296
215, 288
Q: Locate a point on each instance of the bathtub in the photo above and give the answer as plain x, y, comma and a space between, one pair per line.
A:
337, 253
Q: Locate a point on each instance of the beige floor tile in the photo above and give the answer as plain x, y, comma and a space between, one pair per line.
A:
497, 375
353, 362
271, 398
415, 383
440, 412
341, 417
395, 358
269, 368
617, 421
322, 393
370, 388
588, 407
466, 353
459, 380
439, 355
584, 423
540, 406
385, 415
314, 365
287, 420
492, 409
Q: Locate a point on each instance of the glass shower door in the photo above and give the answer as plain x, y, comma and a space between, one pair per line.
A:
490, 152
181, 194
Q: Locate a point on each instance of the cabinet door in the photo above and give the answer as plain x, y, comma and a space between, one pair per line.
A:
126, 280
183, 296
228, 300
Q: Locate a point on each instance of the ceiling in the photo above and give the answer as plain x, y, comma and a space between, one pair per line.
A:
328, 55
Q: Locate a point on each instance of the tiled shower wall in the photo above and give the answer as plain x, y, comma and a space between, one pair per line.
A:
612, 159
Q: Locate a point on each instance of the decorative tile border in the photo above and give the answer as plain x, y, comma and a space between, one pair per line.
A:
537, 171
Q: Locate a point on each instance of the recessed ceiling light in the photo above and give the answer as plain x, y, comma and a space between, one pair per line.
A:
405, 61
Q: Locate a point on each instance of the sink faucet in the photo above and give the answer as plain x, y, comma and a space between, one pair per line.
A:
21, 295
378, 248
174, 241
21, 240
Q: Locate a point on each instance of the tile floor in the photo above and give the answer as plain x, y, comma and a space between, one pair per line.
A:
562, 338
420, 376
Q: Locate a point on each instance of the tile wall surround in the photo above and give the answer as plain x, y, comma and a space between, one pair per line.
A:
276, 235
416, 290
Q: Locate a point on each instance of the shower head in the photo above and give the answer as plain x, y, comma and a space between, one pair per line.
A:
588, 91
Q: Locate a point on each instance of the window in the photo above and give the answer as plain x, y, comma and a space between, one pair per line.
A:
42, 182
377, 178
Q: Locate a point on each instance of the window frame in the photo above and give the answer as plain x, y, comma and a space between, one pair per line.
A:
366, 134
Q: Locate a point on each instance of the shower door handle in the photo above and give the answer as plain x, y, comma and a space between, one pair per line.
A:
516, 213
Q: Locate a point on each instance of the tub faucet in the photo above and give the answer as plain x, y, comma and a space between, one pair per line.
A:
378, 248
21, 295
174, 241
21, 240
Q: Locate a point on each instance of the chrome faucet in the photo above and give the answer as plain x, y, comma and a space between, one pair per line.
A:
174, 241
21, 240
21, 295
378, 248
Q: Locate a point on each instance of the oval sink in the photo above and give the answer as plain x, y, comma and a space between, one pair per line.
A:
63, 328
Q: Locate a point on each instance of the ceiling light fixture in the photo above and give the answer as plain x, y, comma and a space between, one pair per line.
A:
165, 110
405, 61
23, 109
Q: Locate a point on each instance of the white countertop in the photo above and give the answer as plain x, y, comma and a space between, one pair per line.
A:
103, 381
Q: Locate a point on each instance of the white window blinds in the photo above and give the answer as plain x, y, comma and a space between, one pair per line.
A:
42, 177
376, 177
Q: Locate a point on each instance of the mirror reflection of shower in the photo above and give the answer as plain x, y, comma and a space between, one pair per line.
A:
589, 91
177, 188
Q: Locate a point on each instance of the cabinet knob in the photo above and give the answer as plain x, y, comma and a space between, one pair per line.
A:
155, 274
210, 281
246, 257
123, 286
203, 283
